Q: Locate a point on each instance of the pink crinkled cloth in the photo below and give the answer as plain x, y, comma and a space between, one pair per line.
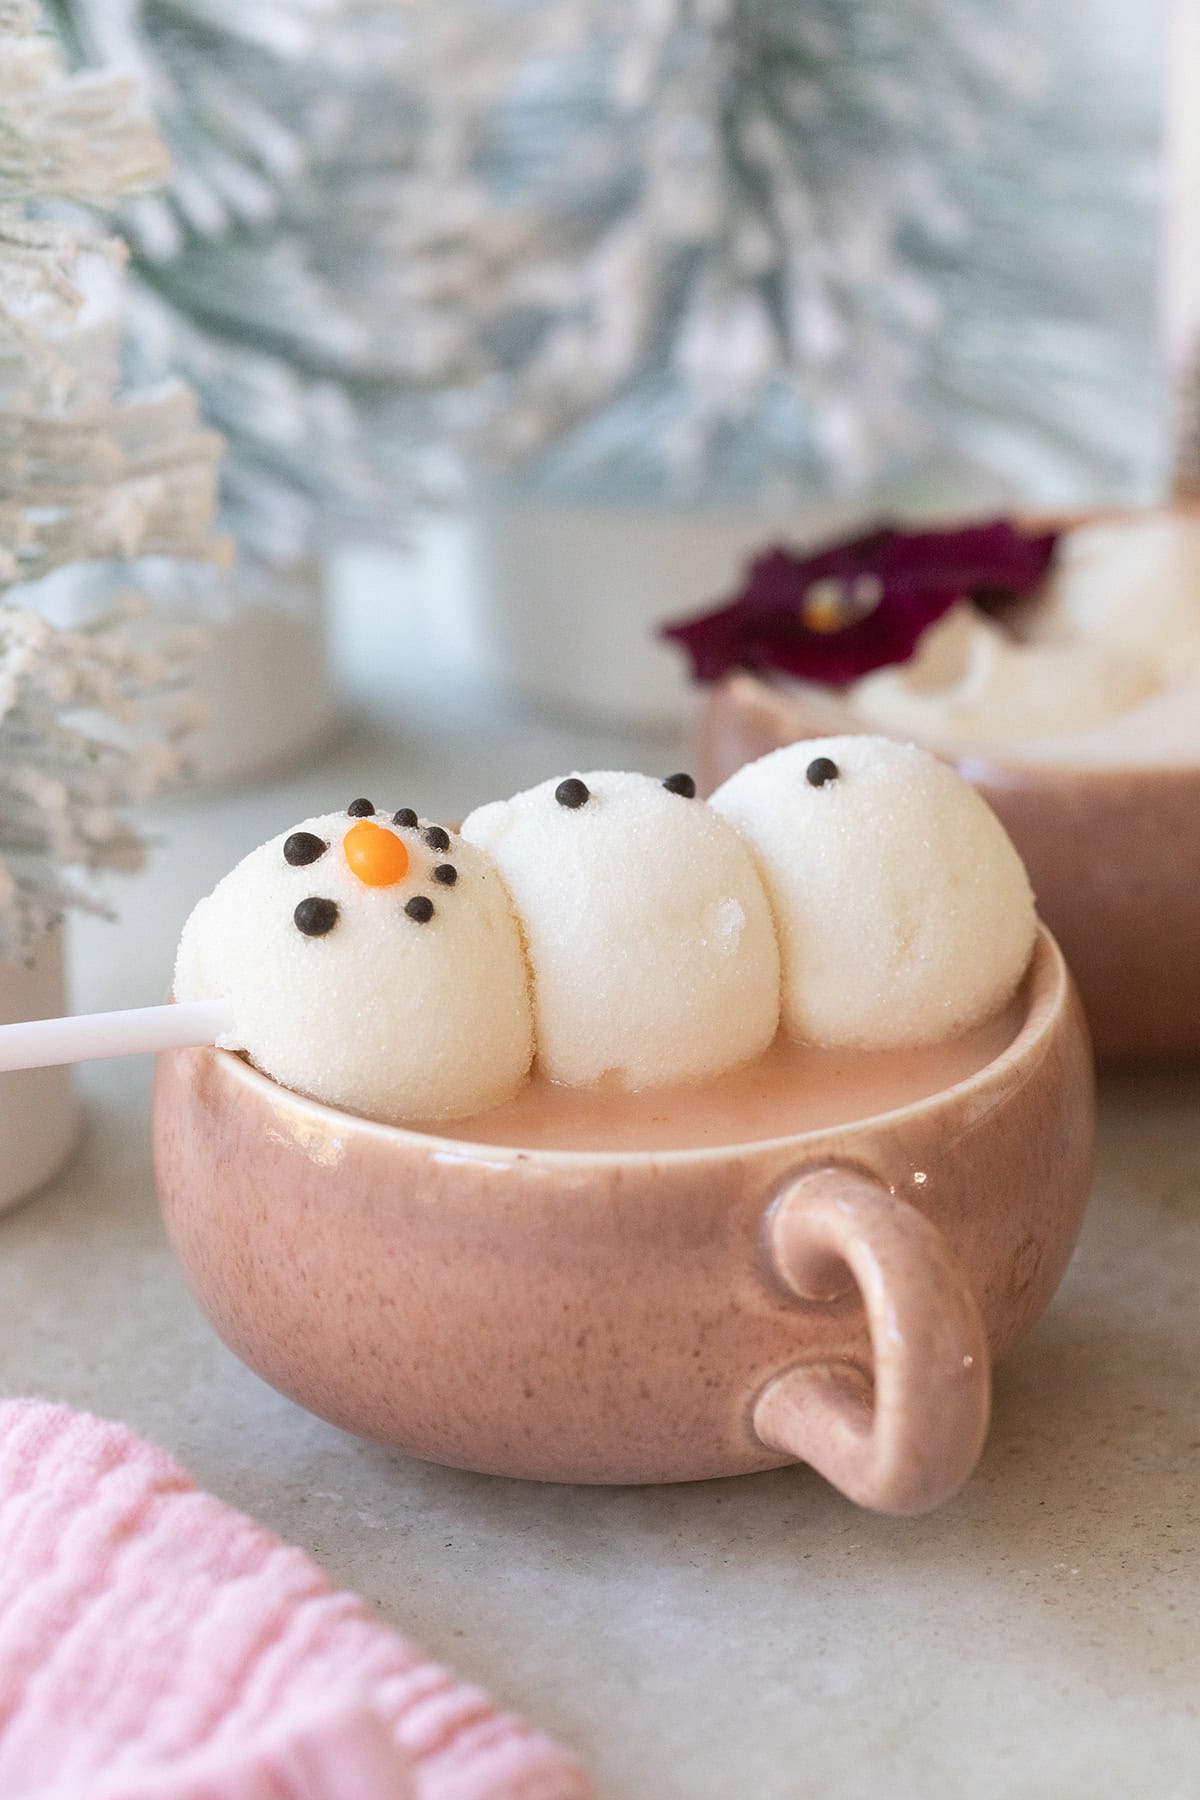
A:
157, 1645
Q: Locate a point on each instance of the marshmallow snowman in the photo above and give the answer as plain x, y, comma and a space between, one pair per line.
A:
616, 929
374, 963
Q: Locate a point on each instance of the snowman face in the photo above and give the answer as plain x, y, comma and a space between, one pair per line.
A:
379, 856
372, 961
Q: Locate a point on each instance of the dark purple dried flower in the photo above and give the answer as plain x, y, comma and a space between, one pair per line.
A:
837, 613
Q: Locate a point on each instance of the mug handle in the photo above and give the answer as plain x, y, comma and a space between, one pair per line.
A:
903, 1437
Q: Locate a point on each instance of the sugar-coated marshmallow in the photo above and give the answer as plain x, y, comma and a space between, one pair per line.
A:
650, 942
904, 913
371, 964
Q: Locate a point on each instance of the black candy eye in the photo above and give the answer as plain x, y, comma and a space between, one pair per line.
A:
446, 873
681, 784
314, 917
406, 818
821, 770
420, 908
360, 809
303, 847
436, 838
572, 792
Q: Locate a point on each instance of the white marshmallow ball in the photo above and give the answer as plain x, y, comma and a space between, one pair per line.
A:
403, 1019
904, 913
648, 933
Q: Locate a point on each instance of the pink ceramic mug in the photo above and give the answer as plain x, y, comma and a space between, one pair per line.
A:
833, 1297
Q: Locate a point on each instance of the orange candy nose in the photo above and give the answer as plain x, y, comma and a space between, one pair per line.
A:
375, 855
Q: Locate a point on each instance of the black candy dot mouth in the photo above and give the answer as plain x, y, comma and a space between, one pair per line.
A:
681, 784
406, 818
446, 873
302, 848
436, 838
420, 909
316, 915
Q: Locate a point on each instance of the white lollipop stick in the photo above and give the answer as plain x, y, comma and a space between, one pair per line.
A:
136, 1031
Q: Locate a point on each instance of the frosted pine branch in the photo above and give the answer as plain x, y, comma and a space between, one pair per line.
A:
648, 249
270, 272
91, 475
87, 472
110, 484
727, 244
71, 703
83, 139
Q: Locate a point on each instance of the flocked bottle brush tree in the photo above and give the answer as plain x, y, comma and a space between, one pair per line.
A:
269, 273
95, 478
742, 268
1181, 239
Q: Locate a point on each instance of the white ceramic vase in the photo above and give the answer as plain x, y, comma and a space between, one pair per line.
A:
571, 596
552, 603
39, 1110
265, 682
